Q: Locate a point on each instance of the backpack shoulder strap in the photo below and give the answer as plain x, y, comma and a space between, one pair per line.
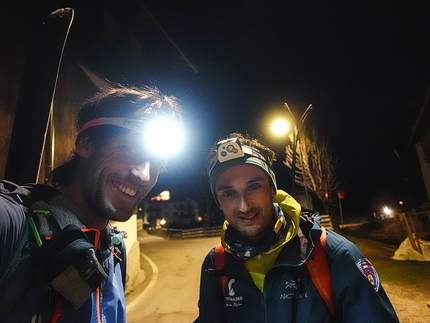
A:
320, 273
219, 255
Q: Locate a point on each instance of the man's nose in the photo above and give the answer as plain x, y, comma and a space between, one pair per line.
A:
142, 172
244, 203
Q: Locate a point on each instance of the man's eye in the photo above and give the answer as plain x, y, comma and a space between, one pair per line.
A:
129, 150
228, 193
254, 187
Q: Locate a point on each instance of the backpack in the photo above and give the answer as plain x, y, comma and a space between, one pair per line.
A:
57, 256
19, 272
316, 265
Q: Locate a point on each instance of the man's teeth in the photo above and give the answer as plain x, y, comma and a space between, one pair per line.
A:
125, 190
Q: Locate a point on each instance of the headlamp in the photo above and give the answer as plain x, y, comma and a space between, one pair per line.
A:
230, 149
163, 136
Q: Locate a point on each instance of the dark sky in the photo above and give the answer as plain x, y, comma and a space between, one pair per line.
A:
363, 65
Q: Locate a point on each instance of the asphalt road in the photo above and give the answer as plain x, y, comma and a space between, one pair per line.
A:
170, 291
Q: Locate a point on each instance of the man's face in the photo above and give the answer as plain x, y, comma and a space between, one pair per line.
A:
245, 196
117, 176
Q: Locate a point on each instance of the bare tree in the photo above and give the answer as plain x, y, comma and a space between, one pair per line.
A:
315, 169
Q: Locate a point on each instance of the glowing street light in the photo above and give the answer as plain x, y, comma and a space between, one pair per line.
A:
281, 126
387, 210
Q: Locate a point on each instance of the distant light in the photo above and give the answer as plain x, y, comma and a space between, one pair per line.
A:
280, 127
199, 219
164, 136
163, 221
401, 202
163, 196
387, 210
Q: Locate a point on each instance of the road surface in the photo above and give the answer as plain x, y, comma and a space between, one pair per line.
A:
170, 292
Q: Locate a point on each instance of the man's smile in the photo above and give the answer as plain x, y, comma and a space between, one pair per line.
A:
248, 217
125, 189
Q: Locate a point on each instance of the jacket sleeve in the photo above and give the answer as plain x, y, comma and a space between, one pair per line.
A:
211, 301
358, 293
12, 221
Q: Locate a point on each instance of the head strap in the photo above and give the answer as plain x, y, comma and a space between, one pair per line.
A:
128, 123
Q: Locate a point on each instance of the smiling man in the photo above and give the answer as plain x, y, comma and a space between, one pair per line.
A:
75, 272
275, 263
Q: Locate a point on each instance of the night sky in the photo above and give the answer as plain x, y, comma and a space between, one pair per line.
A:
363, 65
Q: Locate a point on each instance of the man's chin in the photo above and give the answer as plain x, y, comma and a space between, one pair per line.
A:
119, 214
122, 216
122, 210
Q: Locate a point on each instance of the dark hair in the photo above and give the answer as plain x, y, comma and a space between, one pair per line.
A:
127, 102
245, 140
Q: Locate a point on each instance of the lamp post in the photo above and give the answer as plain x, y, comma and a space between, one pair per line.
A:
296, 133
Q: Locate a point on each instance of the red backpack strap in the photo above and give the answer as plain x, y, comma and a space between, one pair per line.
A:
320, 273
219, 266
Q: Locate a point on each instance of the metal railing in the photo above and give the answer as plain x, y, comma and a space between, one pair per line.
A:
203, 232
325, 221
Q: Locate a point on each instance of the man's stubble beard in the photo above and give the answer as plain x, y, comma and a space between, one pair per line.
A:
94, 192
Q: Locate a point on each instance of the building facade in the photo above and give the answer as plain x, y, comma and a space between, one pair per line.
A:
170, 214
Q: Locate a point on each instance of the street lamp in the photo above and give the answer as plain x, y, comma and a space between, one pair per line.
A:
280, 127
295, 140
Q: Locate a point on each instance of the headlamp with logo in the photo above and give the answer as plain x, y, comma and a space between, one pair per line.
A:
231, 153
163, 136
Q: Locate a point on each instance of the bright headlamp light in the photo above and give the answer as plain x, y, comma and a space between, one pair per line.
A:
163, 136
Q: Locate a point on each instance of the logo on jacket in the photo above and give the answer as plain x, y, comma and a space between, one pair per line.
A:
230, 287
231, 300
293, 290
290, 284
368, 271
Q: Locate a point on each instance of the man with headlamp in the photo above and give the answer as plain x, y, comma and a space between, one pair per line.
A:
77, 261
267, 268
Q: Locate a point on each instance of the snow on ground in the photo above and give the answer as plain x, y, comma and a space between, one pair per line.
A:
407, 252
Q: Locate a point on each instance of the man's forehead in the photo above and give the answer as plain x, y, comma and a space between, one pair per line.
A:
132, 138
129, 139
245, 172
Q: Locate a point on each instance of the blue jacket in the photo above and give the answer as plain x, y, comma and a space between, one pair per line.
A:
38, 302
289, 294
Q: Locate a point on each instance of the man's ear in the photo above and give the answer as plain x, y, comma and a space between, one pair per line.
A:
273, 193
83, 148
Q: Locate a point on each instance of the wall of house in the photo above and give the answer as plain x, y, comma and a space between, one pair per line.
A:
135, 275
181, 213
